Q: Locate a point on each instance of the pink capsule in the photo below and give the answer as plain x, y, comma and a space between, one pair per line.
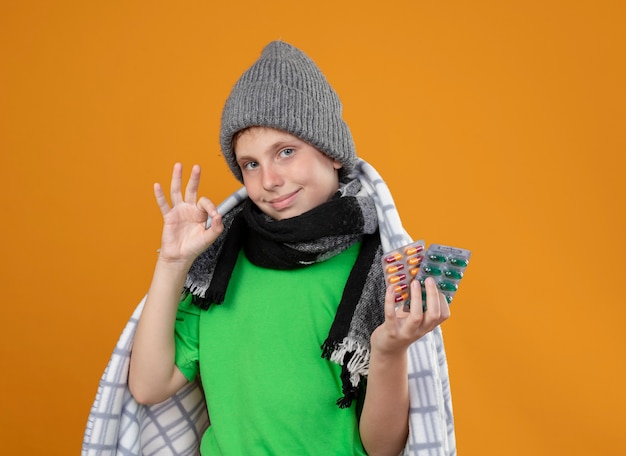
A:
397, 278
395, 268
415, 260
393, 257
413, 250
400, 287
401, 297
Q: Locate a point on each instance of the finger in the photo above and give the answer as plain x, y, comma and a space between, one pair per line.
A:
215, 223
390, 306
445, 306
206, 205
160, 199
433, 301
417, 302
176, 184
191, 191
214, 219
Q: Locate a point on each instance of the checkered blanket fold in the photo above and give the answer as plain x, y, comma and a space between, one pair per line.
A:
118, 425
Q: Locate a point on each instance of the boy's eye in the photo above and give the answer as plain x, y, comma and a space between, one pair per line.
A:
250, 165
287, 152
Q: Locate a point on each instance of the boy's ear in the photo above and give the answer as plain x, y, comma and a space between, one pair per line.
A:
337, 164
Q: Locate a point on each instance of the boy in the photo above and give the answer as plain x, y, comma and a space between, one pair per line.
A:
292, 268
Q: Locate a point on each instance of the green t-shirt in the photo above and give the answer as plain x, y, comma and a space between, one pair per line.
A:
268, 390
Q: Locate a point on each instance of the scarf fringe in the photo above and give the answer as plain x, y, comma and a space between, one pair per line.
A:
204, 302
198, 295
197, 291
203, 297
359, 362
354, 360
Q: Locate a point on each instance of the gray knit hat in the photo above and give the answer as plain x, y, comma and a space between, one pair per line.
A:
284, 89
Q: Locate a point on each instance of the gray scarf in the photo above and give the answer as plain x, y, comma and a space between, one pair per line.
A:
315, 236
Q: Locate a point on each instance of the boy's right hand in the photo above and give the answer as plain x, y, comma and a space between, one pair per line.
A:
185, 235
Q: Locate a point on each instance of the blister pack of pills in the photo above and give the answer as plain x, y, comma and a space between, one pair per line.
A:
444, 263
400, 267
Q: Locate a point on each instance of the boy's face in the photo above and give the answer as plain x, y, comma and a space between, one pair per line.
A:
284, 176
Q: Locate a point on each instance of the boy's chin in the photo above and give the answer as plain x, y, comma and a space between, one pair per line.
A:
284, 214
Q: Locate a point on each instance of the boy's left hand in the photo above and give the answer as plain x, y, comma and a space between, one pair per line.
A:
401, 328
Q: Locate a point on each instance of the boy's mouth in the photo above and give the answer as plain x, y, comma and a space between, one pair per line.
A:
283, 202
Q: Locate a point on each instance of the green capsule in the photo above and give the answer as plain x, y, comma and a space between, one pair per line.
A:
458, 261
453, 274
448, 298
447, 286
436, 258
431, 270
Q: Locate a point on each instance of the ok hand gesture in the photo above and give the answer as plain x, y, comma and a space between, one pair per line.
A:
185, 235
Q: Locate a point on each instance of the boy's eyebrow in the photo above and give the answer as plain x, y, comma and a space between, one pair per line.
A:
279, 144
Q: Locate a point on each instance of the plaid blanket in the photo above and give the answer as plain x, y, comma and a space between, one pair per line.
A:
117, 425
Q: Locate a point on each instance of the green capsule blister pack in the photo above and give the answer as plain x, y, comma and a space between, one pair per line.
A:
444, 263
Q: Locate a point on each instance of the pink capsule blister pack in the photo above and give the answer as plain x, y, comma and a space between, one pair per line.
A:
444, 263
400, 267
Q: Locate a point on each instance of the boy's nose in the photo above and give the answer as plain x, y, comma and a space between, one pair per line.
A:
271, 177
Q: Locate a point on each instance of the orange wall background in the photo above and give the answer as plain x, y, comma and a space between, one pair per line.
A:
499, 127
